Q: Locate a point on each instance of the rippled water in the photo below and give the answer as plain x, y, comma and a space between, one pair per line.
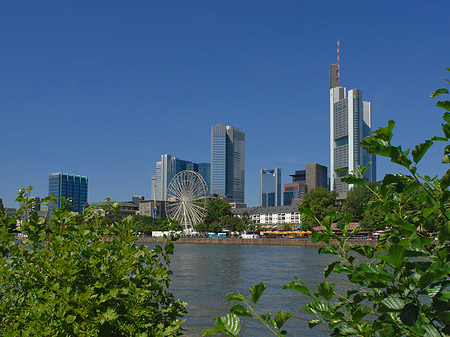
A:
204, 274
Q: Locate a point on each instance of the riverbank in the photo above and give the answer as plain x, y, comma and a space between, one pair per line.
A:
306, 242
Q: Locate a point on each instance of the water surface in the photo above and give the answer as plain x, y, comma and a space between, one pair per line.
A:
204, 274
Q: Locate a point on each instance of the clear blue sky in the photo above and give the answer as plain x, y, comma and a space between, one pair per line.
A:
103, 88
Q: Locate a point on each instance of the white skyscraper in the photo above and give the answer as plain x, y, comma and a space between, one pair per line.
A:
350, 122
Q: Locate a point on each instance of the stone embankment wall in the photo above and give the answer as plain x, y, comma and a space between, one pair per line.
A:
238, 241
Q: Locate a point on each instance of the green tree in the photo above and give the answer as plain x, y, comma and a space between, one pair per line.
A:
201, 228
356, 199
1, 205
84, 278
217, 209
232, 223
401, 287
146, 224
247, 219
321, 201
215, 227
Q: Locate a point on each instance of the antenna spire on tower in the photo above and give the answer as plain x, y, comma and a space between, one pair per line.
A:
338, 67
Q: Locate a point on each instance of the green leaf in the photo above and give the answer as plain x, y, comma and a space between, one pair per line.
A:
395, 255
445, 159
444, 317
313, 322
235, 297
330, 268
297, 286
256, 292
420, 150
240, 310
441, 139
393, 303
326, 290
446, 129
444, 105
444, 232
353, 179
446, 117
281, 317
445, 180
439, 92
385, 133
230, 324
409, 314
307, 212
266, 317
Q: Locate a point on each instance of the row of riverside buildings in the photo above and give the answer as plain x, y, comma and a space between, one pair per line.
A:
350, 122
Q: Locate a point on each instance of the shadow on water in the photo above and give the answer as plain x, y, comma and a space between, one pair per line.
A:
204, 274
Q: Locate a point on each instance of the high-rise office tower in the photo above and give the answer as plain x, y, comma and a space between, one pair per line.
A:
69, 186
270, 187
168, 167
316, 176
228, 162
350, 122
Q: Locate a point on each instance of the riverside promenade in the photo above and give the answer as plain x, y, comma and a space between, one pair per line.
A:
306, 242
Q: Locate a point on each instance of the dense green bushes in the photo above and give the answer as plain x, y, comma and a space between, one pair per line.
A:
83, 275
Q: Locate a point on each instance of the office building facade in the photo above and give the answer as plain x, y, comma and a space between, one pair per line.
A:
228, 162
168, 167
304, 181
270, 187
350, 122
316, 176
69, 186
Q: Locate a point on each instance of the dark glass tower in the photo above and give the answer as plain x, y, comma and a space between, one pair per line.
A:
69, 186
228, 162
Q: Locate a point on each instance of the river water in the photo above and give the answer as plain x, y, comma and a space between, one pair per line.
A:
203, 274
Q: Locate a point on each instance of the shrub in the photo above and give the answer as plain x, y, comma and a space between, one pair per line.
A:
83, 275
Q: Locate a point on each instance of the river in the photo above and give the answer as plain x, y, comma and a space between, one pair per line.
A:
203, 275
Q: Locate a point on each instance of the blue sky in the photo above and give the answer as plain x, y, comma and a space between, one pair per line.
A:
103, 88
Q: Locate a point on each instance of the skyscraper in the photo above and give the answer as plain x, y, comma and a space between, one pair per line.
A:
69, 186
228, 162
168, 167
270, 187
350, 122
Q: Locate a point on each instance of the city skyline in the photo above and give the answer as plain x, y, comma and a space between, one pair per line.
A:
105, 88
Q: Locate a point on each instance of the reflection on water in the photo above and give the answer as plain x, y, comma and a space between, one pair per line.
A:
204, 274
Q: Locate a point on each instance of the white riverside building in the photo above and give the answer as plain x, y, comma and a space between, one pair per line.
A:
350, 122
278, 215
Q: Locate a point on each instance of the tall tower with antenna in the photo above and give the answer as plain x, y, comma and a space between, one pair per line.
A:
335, 71
350, 122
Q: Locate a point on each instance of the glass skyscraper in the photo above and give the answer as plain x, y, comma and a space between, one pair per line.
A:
168, 167
350, 122
228, 162
69, 186
270, 187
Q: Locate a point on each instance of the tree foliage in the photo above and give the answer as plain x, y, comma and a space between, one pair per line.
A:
84, 275
217, 209
401, 287
321, 202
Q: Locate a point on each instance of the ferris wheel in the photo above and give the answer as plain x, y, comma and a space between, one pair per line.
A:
186, 196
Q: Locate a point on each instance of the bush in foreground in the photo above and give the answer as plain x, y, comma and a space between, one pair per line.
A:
83, 275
